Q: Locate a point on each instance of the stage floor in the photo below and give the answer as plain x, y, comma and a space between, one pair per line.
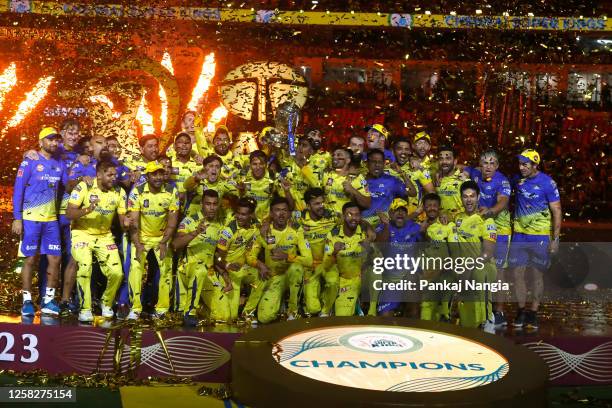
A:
567, 318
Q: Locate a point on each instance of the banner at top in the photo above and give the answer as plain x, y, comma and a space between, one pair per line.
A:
400, 20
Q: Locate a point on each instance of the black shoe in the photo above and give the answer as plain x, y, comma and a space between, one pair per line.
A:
65, 310
190, 321
531, 319
519, 320
500, 320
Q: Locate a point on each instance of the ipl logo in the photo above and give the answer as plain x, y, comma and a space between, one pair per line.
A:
380, 342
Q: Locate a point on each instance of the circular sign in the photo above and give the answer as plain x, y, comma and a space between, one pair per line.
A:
383, 362
398, 359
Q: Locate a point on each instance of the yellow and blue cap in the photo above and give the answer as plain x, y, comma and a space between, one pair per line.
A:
379, 128
529, 155
47, 132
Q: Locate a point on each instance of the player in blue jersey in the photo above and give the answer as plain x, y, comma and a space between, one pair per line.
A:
383, 187
494, 196
35, 198
398, 233
537, 216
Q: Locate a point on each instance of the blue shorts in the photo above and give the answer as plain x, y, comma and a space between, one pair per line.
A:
64, 224
529, 250
43, 236
501, 251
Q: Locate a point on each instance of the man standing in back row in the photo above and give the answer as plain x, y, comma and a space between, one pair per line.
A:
35, 197
537, 215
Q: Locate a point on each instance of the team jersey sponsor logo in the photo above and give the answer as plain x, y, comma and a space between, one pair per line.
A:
20, 173
111, 247
223, 242
270, 239
40, 167
93, 197
145, 203
54, 247
226, 234
77, 245
330, 181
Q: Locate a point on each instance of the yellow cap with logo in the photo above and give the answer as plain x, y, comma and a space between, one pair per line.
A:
48, 131
529, 155
398, 203
422, 135
152, 167
379, 128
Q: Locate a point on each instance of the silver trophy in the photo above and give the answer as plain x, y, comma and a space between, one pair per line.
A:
286, 121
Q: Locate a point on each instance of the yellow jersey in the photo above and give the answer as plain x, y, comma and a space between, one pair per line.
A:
290, 240
301, 179
471, 231
202, 247
449, 190
182, 171
261, 191
336, 197
236, 241
109, 202
349, 260
315, 232
153, 208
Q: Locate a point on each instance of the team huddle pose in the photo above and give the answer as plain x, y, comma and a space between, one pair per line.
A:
217, 234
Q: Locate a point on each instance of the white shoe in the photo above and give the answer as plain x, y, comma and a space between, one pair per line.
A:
107, 311
85, 316
323, 314
290, 316
488, 327
133, 315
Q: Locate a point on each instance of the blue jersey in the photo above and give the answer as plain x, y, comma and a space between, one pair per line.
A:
81, 170
36, 189
383, 190
389, 156
123, 173
490, 189
533, 196
401, 240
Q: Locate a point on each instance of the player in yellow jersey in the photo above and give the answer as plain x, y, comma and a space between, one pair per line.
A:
299, 176
233, 163
149, 151
423, 159
235, 240
448, 183
340, 187
153, 209
257, 184
92, 209
320, 160
317, 221
285, 255
476, 238
199, 234
402, 168
183, 164
346, 247
209, 179
435, 304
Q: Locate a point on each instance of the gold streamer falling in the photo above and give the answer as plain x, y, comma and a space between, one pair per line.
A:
163, 344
